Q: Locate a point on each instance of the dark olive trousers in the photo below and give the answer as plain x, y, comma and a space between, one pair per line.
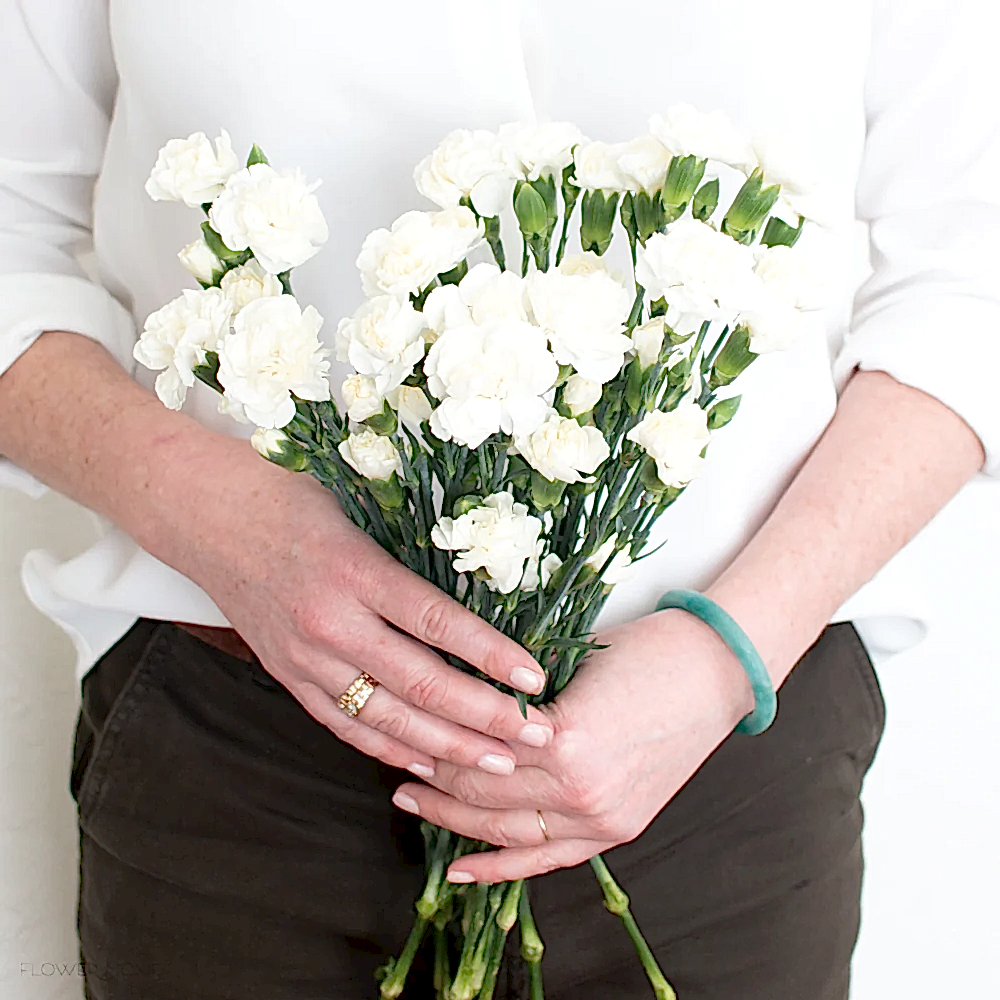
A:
233, 848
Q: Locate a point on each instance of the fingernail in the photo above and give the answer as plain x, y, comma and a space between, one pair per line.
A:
533, 735
527, 680
406, 802
461, 877
496, 764
422, 770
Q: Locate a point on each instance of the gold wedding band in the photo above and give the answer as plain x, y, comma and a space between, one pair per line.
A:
541, 823
354, 698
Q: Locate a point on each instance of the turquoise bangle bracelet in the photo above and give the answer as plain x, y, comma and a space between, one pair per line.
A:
766, 701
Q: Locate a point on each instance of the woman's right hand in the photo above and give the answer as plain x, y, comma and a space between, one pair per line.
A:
319, 602
314, 597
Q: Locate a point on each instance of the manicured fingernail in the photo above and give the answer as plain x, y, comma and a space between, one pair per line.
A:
406, 802
461, 877
496, 764
533, 735
527, 680
421, 770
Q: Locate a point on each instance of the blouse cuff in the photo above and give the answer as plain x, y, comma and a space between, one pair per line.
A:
945, 347
31, 304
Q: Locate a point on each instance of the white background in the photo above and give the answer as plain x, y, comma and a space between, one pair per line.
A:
930, 925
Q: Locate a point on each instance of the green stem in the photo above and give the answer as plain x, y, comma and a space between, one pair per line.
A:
428, 903
532, 948
393, 985
616, 901
473, 921
442, 972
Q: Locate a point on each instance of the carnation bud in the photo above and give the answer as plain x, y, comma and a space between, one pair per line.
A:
723, 412
649, 215
598, 217
705, 201
388, 493
749, 208
779, 233
276, 446
466, 503
256, 156
545, 494
384, 422
683, 177
529, 207
734, 358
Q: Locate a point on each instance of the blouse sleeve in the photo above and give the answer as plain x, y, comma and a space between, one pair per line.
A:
929, 190
58, 79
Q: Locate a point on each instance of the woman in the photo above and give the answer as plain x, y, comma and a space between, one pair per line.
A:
238, 832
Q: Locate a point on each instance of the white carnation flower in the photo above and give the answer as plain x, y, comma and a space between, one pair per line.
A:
644, 163
199, 261
361, 397
581, 394
791, 285
539, 571
620, 567
561, 450
268, 441
274, 351
490, 293
371, 455
784, 163
775, 327
584, 317
647, 340
443, 309
382, 339
405, 259
411, 405
489, 378
589, 263
191, 170
596, 166
703, 274
276, 215
541, 149
243, 285
467, 165
686, 131
177, 337
498, 537
675, 441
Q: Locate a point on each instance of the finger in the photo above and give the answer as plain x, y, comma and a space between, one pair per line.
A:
502, 827
526, 788
512, 863
369, 741
439, 738
419, 676
430, 615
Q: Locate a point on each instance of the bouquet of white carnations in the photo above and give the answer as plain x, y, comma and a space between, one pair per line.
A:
510, 434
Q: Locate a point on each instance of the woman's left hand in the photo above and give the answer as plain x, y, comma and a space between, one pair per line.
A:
637, 720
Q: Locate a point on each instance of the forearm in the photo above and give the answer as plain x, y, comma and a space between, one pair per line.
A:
71, 416
891, 458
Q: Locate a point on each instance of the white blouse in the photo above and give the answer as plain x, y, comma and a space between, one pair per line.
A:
894, 102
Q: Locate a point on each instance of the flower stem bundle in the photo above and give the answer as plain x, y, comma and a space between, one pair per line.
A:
511, 435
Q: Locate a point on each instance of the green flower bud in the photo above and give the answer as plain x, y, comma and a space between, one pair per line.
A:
276, 446
683, 177
723, 412
734, 358
466, 503
650, 216
705, 201
633, 386
749, 208
598, 218
778, 233
529, 206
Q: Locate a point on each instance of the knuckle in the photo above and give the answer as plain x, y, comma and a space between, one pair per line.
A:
432, 620
465, 789
495, 831
426, 687
392, 721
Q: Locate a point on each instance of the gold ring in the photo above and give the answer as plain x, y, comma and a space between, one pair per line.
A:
354, 698
541, 823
